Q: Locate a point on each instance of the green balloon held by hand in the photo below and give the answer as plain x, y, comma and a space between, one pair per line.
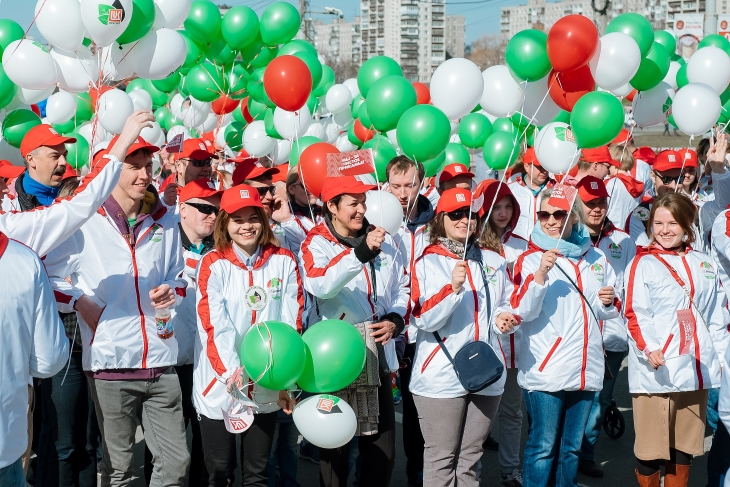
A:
273, 354
279, 23
526, 55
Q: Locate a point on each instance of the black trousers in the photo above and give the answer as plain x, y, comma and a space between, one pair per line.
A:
412, 437
219, 451
377, 451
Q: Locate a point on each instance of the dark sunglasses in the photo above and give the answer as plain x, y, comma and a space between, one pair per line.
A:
668, 179
457, 215
266, 189
200, 162
544, 216
204, 209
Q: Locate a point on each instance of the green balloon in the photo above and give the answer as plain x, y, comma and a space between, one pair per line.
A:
653, 68
164, 117
562, 116
504, 124
667, 40
255, 86
297, 45
327, 82
237, 81
84, 108
269, 124
423, 132
313, 103
273, 354
203, 22
205, 82
474, 129
66, 127
435, 165
725, 96
383, 152
158, 97
526, 55
16, 124
457, 153
255, 109
10, 31
78, 153
298, 147
233, 135
312, 62
143, 16
257, 55
596, 119
715, 40
363, 114
678, 58
238, 114
477, 108
373, 69
279, 23
335, 356
218, 52
355, 107
682, 79
240, 27
194, 51
7, 88
388, 99
501, 150
167, 85
520, 121
635, 26
354, 140
182, 87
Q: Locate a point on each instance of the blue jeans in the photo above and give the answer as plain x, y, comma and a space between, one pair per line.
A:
557, 423
284, 452
13, 475
713, 416
600, 403
718, 460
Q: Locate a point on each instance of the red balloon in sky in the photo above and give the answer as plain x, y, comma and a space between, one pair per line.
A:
572, 42
566, 88
423, 95
288, 82
313, 166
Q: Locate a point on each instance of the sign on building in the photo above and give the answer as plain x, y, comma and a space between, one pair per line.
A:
688, 29
723, 25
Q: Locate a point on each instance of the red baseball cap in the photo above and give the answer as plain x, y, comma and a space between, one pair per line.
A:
251, 169
494, 191
70, 172
645, 154
335, 186
42, 135
140, 143
200, 188
453, 170
8, 171
623, 137
598, 155
242, 156
453, 199
591, 188
240, 196
279, 176
667, 160
689, 157
530, 157
195, 149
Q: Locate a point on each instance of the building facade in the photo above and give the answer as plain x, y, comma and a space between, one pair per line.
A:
339, 40
455, 35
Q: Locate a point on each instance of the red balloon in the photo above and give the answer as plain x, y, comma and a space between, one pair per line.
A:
567, 88
288, 82
313, 166
244, 109
631, 95
361, 132
35, 109
423, 95
571, 42
95, 93
224, 105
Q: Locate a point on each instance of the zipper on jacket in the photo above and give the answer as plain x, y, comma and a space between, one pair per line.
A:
550, 354
139, 307
431, 356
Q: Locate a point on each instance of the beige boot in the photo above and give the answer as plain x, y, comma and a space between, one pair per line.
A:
650, 481
676, 475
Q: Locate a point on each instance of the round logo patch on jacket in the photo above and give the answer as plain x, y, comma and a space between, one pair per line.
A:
598, 272
707, 270
256, 298
274, 288
641, 213
615, 250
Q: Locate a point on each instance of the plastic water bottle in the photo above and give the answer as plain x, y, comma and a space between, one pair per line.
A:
164, 325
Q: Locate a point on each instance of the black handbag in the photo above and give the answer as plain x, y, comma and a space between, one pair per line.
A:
477, 365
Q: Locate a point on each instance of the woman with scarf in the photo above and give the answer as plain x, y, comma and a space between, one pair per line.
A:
456, 302
563, 287
677, 320
355, 274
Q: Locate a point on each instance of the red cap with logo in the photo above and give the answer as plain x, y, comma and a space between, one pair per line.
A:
242, 156
453, 170
453, 199
591, 188
667, 160
645, 154
250, 169
140, 143
240, 196
689, 157
200, 188
335, 186
42, 135
70, 172
195, 149
598, 155
8, 171
530, 157
623, 137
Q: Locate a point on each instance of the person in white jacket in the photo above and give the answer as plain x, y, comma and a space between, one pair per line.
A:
563, 287
355, 274
677, 320
246, 280
34, 345
456, 302
527, 190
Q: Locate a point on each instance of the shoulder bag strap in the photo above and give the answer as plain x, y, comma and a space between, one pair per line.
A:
682, 284
588, 303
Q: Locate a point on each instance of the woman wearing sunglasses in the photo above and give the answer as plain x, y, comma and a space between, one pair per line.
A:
463, 301
677, 322
563, 287
247, 279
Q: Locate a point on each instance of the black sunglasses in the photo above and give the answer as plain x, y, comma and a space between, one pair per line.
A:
457, 215
204, 209
200, 162
266, 189
544, 216
668, 179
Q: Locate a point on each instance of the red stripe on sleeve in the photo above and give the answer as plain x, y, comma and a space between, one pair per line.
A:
204, 313
633, 323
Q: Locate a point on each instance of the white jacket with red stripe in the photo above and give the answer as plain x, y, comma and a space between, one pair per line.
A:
621, 203
411, 245
561, 347
528, 202
225, 287
512, 247
721, 249
118, 277
653, 298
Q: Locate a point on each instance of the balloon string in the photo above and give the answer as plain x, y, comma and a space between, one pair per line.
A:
684, 160
623, 152
27, 30
567, 217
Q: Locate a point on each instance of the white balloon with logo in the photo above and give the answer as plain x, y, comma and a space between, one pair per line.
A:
325, 421
555, 147
653, 106
30, 65
105, 20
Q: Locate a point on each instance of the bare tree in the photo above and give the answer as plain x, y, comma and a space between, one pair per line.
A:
486, 51
343, 68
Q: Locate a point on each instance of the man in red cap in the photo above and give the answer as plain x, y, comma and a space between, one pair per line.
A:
595, 162
455, 175
8, 172
691, 181
193, 162
527, 190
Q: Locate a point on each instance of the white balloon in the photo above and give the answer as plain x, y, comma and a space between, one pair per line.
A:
104, 20
255, 140
616, 60
77, 71
61, 107
454, 127
338, 98
384, 210
160, 53
622, 91
115, 107
119, 62
152, 134
29, 65
220, 136
539, 106
15, 104
10, 153
696, 107
343, 144
210, 123
93, 138
351, 84
29, 97
178, 129
555, 147
59, 21
653, 106
711, 66
141, 100
331, 132
292, 125
671, 77
171, 13
393, 137
342, 119
161, 140
331, 429
196, 114
502, 95
456, 87
281, 153
455, 138
176, 106
316, 129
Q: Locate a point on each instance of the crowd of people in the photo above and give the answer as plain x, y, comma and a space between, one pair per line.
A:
127, 296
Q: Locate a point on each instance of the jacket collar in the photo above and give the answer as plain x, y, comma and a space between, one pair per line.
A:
27, 201
208, 242
265, 252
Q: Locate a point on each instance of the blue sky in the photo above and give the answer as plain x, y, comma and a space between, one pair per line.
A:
482, 15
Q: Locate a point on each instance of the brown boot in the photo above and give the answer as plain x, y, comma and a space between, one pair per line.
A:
650, 481
676, 475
